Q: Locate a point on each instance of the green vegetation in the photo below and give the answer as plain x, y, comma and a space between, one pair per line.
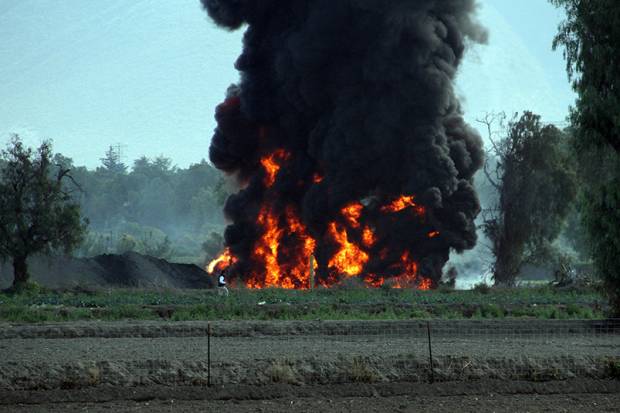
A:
38, 214
590, 37
152, 207
534, 176
325, 304
360, 372
614, 368
281, 371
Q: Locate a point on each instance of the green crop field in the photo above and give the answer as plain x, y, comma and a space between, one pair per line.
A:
40, 305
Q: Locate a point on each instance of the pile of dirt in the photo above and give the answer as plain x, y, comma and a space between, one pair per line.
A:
129, 270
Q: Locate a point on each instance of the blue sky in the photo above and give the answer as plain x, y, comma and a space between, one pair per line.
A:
536, 27
149, 73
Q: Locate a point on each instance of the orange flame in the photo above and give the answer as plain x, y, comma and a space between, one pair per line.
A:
425, 284
368, 236
350, 259
405, 201
410, 273
266, 249
272, 164
373, 281
293, 274
282, 254
317, 178
300, 266
410, 277
226, 259
352, 213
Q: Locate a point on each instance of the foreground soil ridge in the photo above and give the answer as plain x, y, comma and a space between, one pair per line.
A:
254, 353
305, 371
485, 395
152, 329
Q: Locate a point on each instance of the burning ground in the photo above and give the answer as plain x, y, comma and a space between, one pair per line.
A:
347, 141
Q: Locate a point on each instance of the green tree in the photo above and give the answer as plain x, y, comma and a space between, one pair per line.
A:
37, 213
590, 36
534, 176
190, 187
184, 204
112, 161
127, 243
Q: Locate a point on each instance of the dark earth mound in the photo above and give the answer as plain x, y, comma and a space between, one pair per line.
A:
129, 270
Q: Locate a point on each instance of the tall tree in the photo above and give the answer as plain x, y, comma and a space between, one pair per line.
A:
112, 161
590, 36
37, 213
535, 180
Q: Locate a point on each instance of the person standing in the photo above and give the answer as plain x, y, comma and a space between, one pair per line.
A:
221, 284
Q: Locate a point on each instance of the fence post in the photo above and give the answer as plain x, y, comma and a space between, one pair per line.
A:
430, 351
311, 273
209, 355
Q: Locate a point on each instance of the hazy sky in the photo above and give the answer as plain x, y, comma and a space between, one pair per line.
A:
149, 73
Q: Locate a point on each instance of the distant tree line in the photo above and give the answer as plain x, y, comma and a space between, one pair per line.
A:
48, 205
151, 207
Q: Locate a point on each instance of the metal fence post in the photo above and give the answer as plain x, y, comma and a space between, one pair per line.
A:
209, 355
430, 351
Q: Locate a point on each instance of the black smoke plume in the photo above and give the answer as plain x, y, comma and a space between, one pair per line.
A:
359, 94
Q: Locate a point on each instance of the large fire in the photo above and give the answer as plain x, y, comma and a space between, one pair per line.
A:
368, 236
352, 214
271, 164
350, 258
266, 251
402, 203
284, 251
225, 260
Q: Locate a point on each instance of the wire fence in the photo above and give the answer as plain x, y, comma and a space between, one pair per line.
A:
306, 352
434, 350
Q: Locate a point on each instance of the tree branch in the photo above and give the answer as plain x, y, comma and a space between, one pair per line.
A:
64, 173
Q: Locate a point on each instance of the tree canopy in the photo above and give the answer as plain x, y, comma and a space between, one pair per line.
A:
37, 212
590, 36
535, 180
152, 207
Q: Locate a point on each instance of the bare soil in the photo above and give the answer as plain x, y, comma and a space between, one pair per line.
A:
482, 396
577, 403
380, 365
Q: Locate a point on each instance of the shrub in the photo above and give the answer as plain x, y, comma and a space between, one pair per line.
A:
360, 372
482, 288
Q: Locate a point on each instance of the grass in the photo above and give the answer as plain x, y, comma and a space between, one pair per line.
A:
40, 305
614, 368
280, 371
360, 372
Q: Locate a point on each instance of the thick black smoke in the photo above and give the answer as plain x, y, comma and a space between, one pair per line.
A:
361, 93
